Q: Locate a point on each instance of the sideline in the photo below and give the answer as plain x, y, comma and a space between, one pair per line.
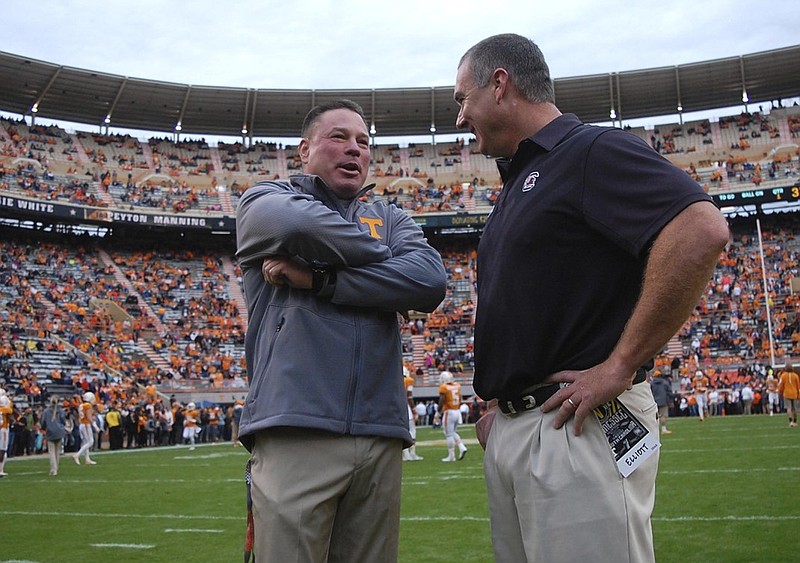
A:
67, 456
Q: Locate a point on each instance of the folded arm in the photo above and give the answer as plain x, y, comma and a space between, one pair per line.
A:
275, 220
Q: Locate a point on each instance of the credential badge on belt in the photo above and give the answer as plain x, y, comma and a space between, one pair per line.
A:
628, 438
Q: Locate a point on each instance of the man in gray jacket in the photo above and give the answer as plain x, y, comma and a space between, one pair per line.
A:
325, 420
662, 393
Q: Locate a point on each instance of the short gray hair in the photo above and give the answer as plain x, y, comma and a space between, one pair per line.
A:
520, 57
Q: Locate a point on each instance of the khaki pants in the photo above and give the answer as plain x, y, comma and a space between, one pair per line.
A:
323, 497
557, 497
54, 454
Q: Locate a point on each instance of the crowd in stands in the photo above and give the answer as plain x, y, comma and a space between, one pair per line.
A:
100, 313
729, 336
122, 315
99, 170
737, 133
81, 315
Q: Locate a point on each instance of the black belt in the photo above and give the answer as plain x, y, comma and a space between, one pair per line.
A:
539, 395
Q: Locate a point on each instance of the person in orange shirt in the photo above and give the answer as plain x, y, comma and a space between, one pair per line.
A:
151, 390
86, 420
450, 407
789, 389
700, 386
191, 418
6, 412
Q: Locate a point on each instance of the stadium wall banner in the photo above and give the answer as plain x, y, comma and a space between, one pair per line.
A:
444, 222
452, 220
103, 215
55, 211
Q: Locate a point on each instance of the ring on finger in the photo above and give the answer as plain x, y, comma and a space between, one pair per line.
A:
571, 402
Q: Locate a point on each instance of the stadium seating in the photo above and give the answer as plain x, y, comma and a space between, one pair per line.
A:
80, 313
749, 150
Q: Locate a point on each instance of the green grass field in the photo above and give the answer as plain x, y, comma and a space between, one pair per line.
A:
728, 491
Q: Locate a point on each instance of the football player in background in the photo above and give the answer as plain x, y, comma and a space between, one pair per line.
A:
6, 410
450, 407
191, 418
86, 428
773, 403
700, 386
410, 453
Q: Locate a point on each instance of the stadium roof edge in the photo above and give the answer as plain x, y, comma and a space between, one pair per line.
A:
97, 98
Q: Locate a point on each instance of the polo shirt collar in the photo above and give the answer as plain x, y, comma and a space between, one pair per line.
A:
547, 138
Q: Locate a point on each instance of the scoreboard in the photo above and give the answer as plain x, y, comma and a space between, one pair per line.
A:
756, 196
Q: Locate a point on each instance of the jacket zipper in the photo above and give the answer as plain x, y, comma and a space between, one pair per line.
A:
349, 215
275, 335
351, 397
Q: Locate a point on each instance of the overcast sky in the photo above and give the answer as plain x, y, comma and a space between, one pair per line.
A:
376, 44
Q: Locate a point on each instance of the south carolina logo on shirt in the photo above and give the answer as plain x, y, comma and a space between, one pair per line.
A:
530, 181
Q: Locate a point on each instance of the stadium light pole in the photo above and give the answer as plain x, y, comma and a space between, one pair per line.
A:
766, 292
678, 93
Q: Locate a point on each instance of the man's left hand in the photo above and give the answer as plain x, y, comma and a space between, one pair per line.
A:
588, 389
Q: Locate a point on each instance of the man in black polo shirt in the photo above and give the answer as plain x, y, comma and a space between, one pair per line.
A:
592, 258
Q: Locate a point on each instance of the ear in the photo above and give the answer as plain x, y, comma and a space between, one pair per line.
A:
501, 82
303, 149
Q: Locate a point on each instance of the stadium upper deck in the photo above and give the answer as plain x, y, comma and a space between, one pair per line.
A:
118, 179
189, 184
96, 98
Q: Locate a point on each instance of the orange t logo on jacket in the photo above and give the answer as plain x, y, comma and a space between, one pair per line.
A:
372, 222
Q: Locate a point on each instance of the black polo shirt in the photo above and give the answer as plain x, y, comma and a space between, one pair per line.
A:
561, 259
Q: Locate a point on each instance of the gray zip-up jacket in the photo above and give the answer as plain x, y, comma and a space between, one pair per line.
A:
330, 360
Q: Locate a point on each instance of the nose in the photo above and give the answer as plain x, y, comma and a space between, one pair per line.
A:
460, 121
352, 146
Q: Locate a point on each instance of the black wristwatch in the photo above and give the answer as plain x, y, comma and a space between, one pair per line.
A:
319, 274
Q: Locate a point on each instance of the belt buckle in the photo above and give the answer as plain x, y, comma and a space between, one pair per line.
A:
528, 403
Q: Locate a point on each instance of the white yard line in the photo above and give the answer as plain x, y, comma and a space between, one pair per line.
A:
124, 545
722, 518
191, 531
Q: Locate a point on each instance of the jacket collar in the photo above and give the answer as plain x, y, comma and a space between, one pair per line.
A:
316, 186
